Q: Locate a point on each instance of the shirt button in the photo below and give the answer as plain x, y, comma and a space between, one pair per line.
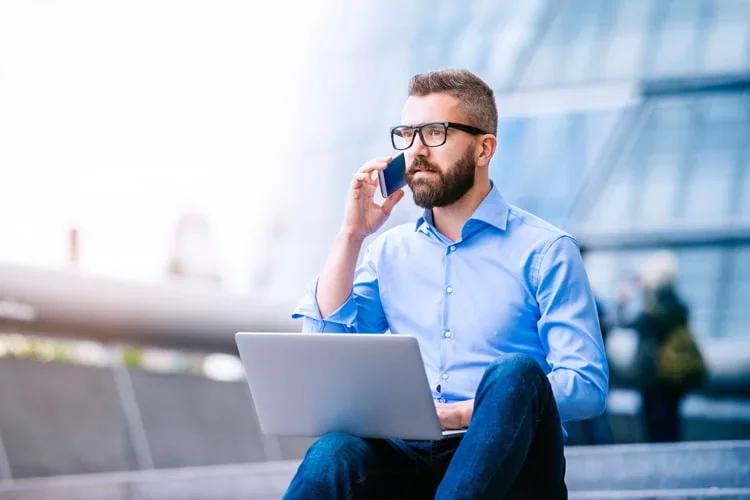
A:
445, 376
449, 289
453, 248
448, 334
442, 400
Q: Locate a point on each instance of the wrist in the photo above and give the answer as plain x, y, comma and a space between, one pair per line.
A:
350, 236
466, 413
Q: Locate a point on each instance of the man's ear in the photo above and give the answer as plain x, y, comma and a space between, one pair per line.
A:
486, 149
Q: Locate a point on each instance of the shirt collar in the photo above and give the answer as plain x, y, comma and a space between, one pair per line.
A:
493, 211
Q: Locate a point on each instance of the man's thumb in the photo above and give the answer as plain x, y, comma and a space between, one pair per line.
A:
391, 201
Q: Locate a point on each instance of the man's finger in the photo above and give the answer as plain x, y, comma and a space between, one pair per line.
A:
373, 165
363, 178
391, 201
358, 179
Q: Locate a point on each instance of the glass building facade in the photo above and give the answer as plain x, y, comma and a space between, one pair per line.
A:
625, 123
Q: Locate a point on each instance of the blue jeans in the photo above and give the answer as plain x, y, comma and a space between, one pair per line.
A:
512, 449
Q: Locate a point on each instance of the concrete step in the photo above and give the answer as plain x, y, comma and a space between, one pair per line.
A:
256, 481
724, 464
715, 470
676, 494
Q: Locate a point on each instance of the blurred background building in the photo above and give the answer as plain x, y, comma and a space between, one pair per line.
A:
627, 123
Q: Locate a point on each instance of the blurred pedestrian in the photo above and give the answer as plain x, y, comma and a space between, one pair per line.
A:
668, 363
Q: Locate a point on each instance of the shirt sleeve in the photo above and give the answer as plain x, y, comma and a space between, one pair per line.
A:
362, 312
570, 333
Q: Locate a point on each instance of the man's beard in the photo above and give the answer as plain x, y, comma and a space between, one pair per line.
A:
441, 189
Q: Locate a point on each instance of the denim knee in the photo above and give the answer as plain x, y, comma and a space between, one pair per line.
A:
328, 468
508, 367
334, 447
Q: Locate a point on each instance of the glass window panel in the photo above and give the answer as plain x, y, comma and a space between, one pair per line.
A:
736, 310
731, 9
545, 58
725, 49
738, 305
659, 194
505, 42
467, 47
482, 8
599, 126
738, 327
556, 47
582, 42
744, 201
702, 323
622, 59
509, 163
541, 148
741, 263
700, 294
724, 108
684, 163
675, 53
541, 67
698, 282
578, 59
623, 53
673, 112
670, 141
601, 268
727, 41
702, 264
736, 323
722, 138
582, 30
613, 209
579, 16
709, 189
676, 39
739, 310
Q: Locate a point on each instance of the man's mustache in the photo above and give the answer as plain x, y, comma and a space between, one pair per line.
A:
419, 164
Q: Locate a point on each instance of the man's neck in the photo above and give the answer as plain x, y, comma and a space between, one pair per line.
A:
449, 220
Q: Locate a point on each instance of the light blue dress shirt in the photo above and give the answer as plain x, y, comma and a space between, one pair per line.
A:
512, 284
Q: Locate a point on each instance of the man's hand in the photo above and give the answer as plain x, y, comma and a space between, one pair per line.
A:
454, 416
362, 215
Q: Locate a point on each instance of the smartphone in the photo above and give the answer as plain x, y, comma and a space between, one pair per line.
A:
393, 177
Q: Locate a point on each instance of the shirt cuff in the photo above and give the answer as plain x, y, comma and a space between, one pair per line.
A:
308, 308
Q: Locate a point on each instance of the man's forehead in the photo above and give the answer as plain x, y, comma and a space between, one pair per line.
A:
430, 108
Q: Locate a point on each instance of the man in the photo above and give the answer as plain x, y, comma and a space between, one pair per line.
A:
498, 299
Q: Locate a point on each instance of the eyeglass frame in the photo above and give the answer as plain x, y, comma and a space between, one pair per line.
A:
418, 129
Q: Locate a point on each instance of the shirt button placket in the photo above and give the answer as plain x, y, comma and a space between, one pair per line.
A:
447, 333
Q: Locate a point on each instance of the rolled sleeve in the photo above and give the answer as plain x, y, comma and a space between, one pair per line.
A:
339, 321
570, 333
362, 312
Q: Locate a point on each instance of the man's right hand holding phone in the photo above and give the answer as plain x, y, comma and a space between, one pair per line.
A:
363, 216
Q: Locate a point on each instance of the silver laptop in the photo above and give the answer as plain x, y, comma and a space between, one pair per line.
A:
367, 385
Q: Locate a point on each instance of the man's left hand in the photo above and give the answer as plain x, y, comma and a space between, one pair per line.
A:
454, 416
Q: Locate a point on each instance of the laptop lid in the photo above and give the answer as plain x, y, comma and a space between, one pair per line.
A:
368, 385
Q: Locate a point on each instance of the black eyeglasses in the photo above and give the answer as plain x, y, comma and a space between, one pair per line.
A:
432, 134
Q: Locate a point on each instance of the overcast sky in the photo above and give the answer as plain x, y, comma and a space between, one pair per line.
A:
116, 117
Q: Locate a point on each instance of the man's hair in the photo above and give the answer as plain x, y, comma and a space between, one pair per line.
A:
476, 97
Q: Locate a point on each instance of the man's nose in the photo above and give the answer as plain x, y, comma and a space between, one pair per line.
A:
417, 147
